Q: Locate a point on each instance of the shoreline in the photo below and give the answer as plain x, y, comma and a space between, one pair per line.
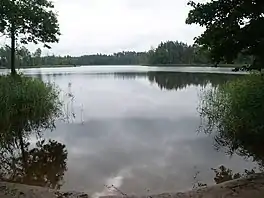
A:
251, 186
196, 65
146, 65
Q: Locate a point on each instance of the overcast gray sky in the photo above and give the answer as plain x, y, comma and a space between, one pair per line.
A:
107, 26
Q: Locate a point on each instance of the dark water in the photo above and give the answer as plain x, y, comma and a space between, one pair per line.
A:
136, 130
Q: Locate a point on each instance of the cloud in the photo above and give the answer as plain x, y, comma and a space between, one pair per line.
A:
107, 26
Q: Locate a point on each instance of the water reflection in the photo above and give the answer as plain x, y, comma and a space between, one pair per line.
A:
180, 80
137, 131
46, 164
168, 80
164, 80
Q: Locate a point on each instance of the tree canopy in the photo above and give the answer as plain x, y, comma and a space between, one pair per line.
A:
33, 20
174, 52
232, 27
171, 52
30, 21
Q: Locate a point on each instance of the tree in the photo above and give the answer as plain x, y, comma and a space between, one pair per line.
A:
23, 56
30, 21
171, 52
5, 56
232, 27
37, 57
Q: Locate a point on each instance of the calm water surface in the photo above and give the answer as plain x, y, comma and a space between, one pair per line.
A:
135, 128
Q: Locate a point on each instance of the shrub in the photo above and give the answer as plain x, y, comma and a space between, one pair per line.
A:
235, 113
26, 105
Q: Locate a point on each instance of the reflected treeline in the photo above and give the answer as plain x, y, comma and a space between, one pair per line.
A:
167, 80
180, 80
45, 164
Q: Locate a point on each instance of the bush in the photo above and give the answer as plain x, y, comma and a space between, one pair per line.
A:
26, 105
235, 112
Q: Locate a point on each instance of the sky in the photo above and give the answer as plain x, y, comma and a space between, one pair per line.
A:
108, 26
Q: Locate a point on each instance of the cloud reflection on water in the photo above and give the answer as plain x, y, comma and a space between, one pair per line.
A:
136, 135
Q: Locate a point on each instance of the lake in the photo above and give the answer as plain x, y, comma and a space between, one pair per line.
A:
136, 128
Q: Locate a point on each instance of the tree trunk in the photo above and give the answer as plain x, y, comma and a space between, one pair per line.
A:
13, 50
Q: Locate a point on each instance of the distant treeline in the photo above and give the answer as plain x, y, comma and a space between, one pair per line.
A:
24, 58
167, 53
173, 53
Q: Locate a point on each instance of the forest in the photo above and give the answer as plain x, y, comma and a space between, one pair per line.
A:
25, 58
166, 53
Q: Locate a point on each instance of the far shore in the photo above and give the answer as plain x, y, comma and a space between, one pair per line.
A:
147, 65
45, 66
40, 66
196, 65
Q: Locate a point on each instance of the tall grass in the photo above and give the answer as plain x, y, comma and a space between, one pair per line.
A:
26, 105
